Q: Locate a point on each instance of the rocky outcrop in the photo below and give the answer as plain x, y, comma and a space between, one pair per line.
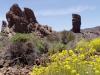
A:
16, 20
76, 23
24, 21
4, 25
29, 15
6, 30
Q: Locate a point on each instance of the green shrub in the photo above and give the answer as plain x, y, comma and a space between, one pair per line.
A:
40, 45
56, 47
20, 38
67, 36
55, 37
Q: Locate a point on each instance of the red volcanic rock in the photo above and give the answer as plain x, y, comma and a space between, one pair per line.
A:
29, 15
4, 25
16, 10
25, 21
76, 22
15, 18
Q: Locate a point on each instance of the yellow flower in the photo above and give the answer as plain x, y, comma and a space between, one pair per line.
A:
68, 59
81, 56
87, 72
85, 62
77, 74
68, 67
57, 71
66, 62
74, 60
64, 52
81, 49
73, 71
97, 71
76, 49
71, 52
94, 68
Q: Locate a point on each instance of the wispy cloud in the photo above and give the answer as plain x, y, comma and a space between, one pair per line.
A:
65, 11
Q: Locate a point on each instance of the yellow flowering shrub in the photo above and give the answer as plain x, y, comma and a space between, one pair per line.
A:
80, 61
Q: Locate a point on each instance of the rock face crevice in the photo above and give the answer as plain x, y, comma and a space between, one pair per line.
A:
76, 23
24, 21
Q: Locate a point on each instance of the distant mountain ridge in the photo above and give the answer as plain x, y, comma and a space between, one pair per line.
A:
88, 34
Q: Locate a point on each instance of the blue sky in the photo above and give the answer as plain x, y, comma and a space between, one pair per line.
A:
58, 13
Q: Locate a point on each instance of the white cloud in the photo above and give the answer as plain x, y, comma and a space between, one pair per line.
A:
65, 11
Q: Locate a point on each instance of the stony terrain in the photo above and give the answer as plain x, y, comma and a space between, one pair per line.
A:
19, 58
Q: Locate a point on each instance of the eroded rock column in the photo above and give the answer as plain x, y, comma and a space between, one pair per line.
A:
76, 23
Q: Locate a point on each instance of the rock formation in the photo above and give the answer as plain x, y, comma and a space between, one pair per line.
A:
4, 25
24, 21
29, 15
76, 22
15, 19
6, 30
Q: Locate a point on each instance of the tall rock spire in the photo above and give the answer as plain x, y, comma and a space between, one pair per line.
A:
76, 23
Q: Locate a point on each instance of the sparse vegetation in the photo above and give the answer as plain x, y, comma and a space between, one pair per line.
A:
20, 38
56, 47
67, 36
